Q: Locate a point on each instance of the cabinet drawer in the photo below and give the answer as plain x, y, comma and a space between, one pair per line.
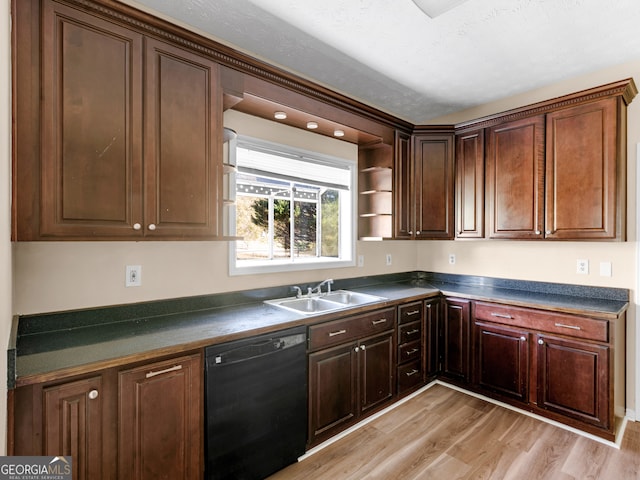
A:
409, 376
409, 351
580, 327
410, 312
409, 332
346, 329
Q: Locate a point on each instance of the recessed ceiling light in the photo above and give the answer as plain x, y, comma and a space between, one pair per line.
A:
280, 115
433, 8
312, 125
338, 133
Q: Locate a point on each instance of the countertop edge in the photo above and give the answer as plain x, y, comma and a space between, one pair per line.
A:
395, 293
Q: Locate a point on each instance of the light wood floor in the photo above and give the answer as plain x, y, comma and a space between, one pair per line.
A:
445, 434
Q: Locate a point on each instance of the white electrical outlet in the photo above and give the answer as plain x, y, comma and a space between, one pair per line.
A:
134, 276
452, 259
361, 260
582, 266
388, 259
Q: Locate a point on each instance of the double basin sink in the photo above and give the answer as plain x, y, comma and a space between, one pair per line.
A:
325, 302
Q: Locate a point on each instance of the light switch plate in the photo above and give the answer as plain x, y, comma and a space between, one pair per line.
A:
605, 269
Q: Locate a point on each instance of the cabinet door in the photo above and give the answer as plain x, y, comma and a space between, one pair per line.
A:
91, 182
73, 425
470, 185
403, 188
161, 420
583, 172
515, 179
502, 360
183, 149
333, 394
456, 339
573, 379
376, 357
432, 332
434, 182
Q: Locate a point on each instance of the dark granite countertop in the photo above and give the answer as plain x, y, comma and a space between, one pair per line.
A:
63, 343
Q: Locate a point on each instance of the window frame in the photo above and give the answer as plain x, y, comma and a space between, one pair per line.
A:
348, 238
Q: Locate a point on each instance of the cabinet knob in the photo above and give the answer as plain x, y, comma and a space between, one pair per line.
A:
357, 349
418, 232
523, 338
410, 232
152, 226
363, 347
540, 342
137, 226
93, 394
549, 232
538, 232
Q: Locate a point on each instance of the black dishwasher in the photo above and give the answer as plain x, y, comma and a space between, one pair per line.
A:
256, 405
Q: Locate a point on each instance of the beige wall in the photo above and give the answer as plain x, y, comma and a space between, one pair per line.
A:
50, 276
5, 212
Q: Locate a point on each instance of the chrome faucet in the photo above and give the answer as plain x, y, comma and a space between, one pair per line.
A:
298, 291
328, 282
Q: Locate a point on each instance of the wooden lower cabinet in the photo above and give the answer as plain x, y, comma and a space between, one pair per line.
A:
558, 365
73, 425
573, 379
502, 356
411, 347
139, 423
348, 382
160, 427
432, 337
455, 324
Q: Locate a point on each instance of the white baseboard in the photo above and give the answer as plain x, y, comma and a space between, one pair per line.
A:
630, 414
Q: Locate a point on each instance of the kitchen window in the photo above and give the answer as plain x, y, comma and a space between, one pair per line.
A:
295, 209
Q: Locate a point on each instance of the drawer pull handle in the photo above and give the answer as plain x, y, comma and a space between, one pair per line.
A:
412, 372
411, 352
339, 332
572, 327
166, 370
378, 322
501, 315
414, 312
413, 332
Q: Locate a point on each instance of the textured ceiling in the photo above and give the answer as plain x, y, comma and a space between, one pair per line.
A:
388, 54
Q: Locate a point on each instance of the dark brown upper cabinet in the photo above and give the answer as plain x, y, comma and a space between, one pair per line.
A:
515, 179
183, 153
130, 144
556, 169
425, 183
470, 184
403, 187
91, 170
586, 172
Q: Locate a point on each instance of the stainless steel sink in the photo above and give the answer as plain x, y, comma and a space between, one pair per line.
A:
346, 297
326, 302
